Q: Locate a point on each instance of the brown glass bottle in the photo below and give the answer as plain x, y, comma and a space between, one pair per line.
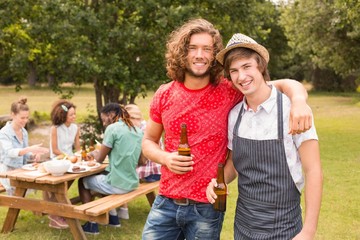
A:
91, 147
220, 190
184, 148
83, 152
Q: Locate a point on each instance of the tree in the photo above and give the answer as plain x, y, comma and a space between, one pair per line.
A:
327, 33
116, 45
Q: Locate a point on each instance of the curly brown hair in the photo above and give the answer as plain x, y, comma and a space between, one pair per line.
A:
177, 49
59, 111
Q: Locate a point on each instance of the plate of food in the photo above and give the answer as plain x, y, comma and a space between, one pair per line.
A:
30, 166
93, 164
78, 169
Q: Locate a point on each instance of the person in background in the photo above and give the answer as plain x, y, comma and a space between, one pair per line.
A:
14, 142
151, 171
122, 142
199, 96
148, 171
64, 132
269, 162
64, 140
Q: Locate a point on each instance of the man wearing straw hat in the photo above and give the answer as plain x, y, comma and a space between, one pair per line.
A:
200, 97
268, 161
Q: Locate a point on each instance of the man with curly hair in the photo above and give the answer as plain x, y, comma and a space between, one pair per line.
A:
201, 97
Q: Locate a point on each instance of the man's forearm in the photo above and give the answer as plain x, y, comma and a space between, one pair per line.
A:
153, 152
291, 88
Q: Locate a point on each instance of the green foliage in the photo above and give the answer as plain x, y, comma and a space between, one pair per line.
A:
117, 45
40, 116
91, 129
326, 34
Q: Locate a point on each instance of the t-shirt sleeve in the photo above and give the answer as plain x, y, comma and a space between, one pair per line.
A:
155, 106
109, 136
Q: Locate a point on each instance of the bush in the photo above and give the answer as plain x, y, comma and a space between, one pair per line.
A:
91, 129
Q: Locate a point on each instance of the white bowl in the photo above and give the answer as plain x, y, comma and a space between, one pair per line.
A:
57, 167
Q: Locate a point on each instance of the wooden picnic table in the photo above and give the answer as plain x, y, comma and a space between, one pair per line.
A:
23, 180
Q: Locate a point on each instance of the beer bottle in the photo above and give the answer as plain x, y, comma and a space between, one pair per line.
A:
184, 148
83, 152
220, 190
91, 147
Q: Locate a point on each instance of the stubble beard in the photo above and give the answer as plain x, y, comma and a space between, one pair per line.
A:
191, 73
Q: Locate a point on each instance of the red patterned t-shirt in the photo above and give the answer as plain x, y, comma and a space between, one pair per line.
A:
205, 112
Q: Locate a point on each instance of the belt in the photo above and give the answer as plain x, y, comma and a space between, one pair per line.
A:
185, 201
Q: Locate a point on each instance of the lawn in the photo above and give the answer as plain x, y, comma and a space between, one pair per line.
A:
337, 120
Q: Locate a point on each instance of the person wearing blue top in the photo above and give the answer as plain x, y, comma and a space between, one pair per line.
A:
14, 142
122, 142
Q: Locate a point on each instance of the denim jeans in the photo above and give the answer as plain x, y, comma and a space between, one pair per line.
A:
169, 221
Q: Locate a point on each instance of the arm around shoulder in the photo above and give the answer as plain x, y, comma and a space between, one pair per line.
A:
300, 113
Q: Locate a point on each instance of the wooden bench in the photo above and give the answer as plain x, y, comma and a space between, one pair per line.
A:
105, 204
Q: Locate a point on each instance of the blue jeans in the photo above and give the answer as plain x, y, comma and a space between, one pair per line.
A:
167, 220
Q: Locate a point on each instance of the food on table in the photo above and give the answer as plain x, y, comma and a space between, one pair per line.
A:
91, 163
77, 169
60, 156
72, 159
35, 165
41, 168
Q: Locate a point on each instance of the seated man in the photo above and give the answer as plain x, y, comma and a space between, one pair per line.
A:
122, 142
149, 171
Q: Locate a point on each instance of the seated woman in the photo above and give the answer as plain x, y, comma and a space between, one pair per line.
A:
14, 142
65, 133
122, 142
64, 140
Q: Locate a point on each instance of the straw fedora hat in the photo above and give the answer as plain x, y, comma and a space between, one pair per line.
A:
240, 40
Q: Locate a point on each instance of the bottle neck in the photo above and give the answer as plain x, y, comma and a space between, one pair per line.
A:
220, 174
183, 137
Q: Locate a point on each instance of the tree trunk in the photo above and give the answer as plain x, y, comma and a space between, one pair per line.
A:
98, 96
51, 79
32, 75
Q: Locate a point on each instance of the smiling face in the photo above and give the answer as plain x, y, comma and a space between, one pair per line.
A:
71, 116
20, 119
246, 76
200, 55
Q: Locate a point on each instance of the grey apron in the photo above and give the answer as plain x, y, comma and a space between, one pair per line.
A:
268, 206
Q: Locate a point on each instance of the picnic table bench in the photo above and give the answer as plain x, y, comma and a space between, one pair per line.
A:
96, 211
105, 204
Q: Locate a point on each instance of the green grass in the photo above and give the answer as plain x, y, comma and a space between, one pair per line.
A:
337, 118
41, 99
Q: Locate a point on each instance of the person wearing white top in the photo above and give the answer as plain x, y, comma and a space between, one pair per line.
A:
268, 161
64, 133
64, 139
